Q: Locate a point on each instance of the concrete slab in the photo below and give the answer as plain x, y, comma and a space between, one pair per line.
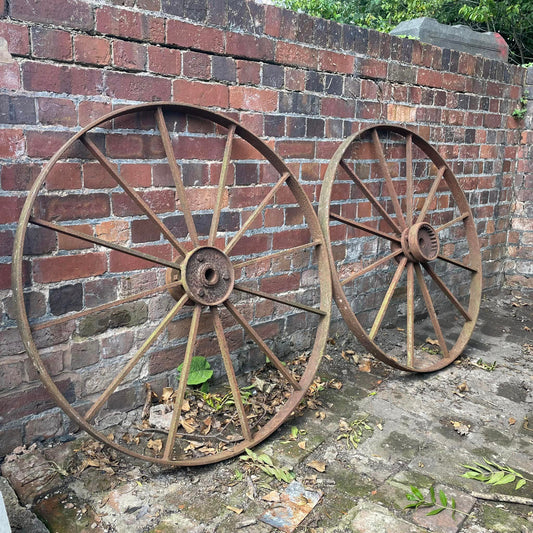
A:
462, 38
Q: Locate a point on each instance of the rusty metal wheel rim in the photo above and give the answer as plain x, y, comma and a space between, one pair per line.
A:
414, 244
217, 279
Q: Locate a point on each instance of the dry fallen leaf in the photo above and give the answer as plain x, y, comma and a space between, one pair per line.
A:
301, 445
463, 387
272, 496
156, 445
365, 365
317, 465
434, 342
167, 394
512, 421
236, 510
461, 428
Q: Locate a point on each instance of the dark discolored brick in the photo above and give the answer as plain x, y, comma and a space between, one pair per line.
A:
39, 241
296, 126
84, 354
314, 82
274, 125
273, 75
217, 13
315, 127
246, 174
301, 103
247, 16
125, 315
17, 109
333, 84
65, 299
223, 68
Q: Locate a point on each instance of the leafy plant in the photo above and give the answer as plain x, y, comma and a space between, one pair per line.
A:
417, 500
217, 401
264, 463
489, 367
200, 372
353, 432
494, 474
520, 112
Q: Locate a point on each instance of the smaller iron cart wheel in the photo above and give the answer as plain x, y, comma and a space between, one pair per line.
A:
403, 248
172, 249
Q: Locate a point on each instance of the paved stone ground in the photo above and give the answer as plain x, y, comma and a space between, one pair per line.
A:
412, 440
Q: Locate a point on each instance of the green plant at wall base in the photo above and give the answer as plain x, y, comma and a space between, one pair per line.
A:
264, 463
200, 372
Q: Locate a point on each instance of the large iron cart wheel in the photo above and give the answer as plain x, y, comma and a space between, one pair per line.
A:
400, 230
158, 216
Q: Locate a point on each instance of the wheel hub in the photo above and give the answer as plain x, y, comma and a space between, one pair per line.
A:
420, 243
207, 275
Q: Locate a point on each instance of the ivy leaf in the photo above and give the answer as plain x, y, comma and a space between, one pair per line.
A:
497, 476
443, 498
199, 372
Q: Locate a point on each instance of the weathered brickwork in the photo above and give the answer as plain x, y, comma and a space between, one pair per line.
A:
301, 84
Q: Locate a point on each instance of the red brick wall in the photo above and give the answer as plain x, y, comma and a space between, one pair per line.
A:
300, 83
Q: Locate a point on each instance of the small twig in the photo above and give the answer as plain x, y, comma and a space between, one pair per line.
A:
193, 436
502, 498
147, 402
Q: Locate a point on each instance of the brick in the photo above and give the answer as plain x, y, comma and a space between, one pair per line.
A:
12, 143
159, 201
64, 176
273, 21
92, 50
65, 299
121, 262
100, 291
45, 427
10, 76
51, 44
89, 111
292, 54
6, 242
66, 242
39, 241
57, 111
113, 230
61, 79
75, 14
252, 244
429, 78
296, 149
335, 107
120, 22
164, 60
188, 35
256, 47
280, 284
248, 72
287, 239
252, 99
17, 37
196, 65
334, 62
139, 87
129, 55
374, 68
84, 354
198, 93
62, 268
12, 373
72, 206
452, 82
17, 109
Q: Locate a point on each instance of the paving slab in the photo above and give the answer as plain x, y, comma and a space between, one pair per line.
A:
422, 428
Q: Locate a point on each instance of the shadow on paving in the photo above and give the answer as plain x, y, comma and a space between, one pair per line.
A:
375, 437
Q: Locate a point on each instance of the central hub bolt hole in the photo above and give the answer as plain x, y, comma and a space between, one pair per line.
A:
210, 276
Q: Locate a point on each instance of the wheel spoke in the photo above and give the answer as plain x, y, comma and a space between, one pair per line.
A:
180, 189
101, 242
431, 310
221, 186
371, 198
409, 179
370, 267
230, 372
285, 301
446, 291
103, 307
184, 376
135, 359
364, 227
131, 193
452, 222
457, 263
256, 212
431, 194
262, 345
388, 179
284, 253
410, 329
387, 299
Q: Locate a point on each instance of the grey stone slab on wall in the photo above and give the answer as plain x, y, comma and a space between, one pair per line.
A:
462, 38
